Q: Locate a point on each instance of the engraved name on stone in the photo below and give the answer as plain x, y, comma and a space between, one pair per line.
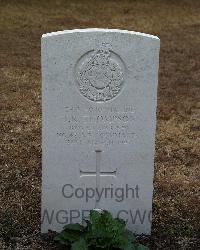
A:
91, 125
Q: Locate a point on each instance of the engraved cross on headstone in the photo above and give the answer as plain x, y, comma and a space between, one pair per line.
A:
98, 173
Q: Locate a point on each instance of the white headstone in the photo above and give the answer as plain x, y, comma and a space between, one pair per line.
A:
99, 90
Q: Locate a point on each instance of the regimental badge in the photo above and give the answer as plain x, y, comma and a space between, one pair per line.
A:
100, 76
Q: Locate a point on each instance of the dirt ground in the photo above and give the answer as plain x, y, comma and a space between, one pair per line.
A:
176, 204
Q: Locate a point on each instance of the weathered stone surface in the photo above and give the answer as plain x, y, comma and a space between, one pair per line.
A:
99, 90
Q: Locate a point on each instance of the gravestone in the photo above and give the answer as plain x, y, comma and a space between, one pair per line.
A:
99, 90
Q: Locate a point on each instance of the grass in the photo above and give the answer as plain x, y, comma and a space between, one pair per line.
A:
176, 214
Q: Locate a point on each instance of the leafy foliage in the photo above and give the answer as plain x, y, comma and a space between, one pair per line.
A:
102, 231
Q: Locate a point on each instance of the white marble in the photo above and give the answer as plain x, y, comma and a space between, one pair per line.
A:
99, 93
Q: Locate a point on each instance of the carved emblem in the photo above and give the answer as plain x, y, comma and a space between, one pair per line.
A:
100, 76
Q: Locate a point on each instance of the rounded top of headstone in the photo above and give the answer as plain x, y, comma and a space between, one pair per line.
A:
99, 30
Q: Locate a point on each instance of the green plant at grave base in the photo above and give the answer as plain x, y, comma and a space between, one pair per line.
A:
102, 231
